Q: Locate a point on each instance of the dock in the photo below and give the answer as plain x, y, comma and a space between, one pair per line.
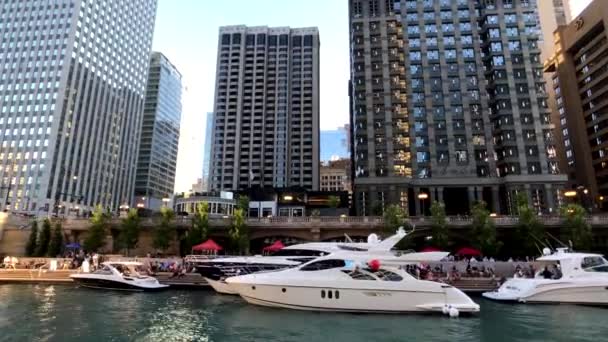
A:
192, 280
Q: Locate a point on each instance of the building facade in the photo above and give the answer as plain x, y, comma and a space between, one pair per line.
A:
72, 89
155, 178
207, 151
335, 175
266, 129
579, 69
448, 104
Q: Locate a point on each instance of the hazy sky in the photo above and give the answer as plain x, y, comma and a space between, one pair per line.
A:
187, 30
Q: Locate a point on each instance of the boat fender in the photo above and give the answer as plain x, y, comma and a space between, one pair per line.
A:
454, 312
446, 310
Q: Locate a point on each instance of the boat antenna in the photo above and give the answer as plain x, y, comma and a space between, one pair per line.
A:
348, 239
556, 239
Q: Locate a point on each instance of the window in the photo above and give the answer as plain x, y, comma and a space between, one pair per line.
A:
594, 264
498, 60
323, 265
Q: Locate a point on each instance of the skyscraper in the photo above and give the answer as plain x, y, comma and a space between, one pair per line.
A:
207, 151
266, 130
155, 178
72, 85
448, 104
579, 72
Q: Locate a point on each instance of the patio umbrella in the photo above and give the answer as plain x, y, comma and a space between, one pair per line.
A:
468, 251
208, 245
277, 245
431, 249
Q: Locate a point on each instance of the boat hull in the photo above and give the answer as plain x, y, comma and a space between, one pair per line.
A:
221, 286
353, 300
118, 285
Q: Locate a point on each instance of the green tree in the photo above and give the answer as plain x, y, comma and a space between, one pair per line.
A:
578, 230
394, 217
129, 234
243, 203
30, 248
484, 230
96, 237
439, 225
200, 226
163, 234
333, 201
56, 244
238, 232
44, 238
529, 229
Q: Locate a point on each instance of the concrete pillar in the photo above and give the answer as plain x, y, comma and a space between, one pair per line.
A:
496, 199
478, 193
440, 194
528, 191
550, 199
471, 190
416, 201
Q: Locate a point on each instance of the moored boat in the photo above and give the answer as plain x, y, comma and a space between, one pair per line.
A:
119, 275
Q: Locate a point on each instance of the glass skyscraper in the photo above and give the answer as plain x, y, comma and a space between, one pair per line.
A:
207, 151
72, 84
157, 159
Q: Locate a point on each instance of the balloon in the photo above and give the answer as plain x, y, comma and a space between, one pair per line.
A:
374, 265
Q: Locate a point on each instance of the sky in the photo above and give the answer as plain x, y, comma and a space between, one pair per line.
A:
187, 32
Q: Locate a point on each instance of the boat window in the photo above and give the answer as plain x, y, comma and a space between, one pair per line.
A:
323, 265
388, 275
337, 294
299, 252
358, 275
594, 264
352, 248
104, 270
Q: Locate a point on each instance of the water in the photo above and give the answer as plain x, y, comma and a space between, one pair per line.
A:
67, 313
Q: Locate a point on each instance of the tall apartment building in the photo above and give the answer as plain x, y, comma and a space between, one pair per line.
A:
155, 177
448, 101
579, 70
266, 130
207, 151
335, 175
72, 87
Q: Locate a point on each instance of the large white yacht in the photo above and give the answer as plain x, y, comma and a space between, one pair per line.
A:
216, 270
118, 275
574, 278
351, 283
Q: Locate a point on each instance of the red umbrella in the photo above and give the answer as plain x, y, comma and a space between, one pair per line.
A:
468, 251
431, 249
277, 245
208, 245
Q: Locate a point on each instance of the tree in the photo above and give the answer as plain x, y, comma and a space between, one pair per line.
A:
394, 217
333, 201
238, 232
578, 230
44, 238
30, 248
439, 225
200, 226
56, 244
529, 229
96, 237
129, 235
243, 203
162, 237
483, 230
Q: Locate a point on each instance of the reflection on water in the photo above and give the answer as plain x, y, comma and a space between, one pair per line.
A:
64, 313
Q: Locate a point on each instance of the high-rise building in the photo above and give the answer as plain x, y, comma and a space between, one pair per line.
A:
448, 104
155, 178
335, 175
266, 130
72, 89
335, 144
207, 151
579, 69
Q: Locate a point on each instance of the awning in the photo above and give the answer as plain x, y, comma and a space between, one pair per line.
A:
277, 245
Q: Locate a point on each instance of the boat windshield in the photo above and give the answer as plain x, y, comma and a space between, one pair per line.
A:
594, 264
323, 265
105, 270
299, 252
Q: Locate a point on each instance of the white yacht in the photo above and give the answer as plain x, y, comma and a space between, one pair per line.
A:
215, 271
351, 283
119, 275
564, 277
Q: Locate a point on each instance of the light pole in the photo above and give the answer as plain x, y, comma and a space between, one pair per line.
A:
422, 197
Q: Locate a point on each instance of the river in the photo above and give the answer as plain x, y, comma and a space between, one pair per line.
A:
67, 313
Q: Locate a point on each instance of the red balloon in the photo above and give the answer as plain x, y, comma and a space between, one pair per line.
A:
374, 265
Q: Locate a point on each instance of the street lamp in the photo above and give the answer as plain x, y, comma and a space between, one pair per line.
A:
570, 193
422, 197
